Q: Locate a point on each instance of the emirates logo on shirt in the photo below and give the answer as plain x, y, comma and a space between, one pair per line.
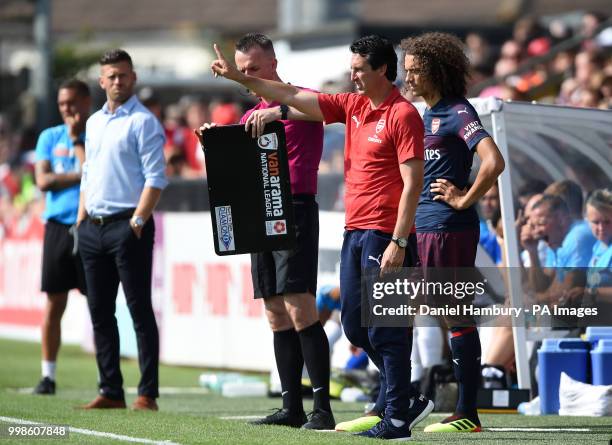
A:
435, 125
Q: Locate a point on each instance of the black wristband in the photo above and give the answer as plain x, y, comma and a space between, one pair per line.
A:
78, 141
284, 111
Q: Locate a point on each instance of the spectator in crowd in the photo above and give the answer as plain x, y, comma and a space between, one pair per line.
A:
599, 279
224, 113
174, 148
598, 291
570, 77
479, 52
149, 99
527, 190
572, 194
123, 177
606, 93
60, 154
526, 29
490, 213
552, 222
196, 112
499, 358
526, 219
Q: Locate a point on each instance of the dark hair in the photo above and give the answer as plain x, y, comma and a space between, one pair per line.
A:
253, 39
554, 202
77, 85
115, 56
570, 192
532, 187
442, 58
378, 51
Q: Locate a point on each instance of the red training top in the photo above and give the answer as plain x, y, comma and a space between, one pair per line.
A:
377, 142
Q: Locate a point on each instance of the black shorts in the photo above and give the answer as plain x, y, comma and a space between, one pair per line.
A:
61, 270
291, 271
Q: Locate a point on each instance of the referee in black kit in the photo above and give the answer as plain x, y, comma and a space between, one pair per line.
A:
287, 279
123, 177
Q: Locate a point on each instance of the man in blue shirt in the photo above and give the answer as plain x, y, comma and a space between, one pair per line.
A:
599, 279
489, 212
578, 244
551, 221
123, 178
60, 153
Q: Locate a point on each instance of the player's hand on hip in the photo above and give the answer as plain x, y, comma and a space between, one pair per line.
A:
446, 191
392, 259
221, 67
258, 119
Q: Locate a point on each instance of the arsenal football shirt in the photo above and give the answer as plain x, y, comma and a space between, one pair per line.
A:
377, 141
452, 131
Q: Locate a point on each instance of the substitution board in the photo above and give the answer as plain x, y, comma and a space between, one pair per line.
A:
249, 189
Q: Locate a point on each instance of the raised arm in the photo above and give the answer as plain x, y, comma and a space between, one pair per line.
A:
304, 101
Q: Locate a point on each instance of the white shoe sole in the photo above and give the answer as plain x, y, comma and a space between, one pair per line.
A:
428, 409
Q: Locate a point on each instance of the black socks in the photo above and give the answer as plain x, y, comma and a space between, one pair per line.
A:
289, 362
315, 349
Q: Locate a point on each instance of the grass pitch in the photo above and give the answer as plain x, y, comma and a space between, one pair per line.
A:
211, 419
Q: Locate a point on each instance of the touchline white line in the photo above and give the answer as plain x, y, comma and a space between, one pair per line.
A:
540, 430
92, 432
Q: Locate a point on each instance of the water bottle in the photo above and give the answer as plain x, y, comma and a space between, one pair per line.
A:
531, 408
353, 395
244, 388
215, 380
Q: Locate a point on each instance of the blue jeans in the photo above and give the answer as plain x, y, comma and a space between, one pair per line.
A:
388, 347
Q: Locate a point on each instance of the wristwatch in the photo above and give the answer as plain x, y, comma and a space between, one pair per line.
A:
137, 221
284, 109
401, 242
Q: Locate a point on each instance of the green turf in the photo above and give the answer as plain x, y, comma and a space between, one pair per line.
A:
194, 419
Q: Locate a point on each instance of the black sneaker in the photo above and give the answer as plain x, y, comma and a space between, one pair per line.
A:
420, 407
283, 417
320, 420
45, 386
385, 430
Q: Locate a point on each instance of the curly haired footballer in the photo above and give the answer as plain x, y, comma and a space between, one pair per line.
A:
442, 59
447, 224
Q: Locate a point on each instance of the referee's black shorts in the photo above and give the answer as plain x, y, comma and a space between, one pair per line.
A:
61, 270
291, 271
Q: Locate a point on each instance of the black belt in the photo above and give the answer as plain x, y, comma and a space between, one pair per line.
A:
103, 220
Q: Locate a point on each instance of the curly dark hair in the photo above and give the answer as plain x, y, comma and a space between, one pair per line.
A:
442, 58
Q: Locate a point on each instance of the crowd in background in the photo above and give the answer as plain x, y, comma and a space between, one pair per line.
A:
528, 66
